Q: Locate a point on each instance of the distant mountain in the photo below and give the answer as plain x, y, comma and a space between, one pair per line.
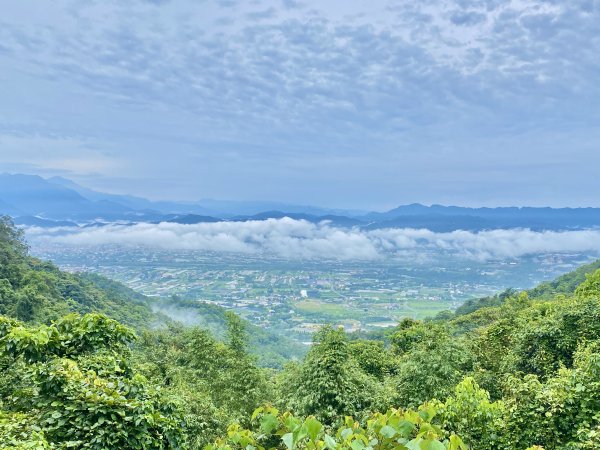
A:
188, 219
448, 218
57, 201
135, 202
340, 221
33, 221
8, 209
230, 209
206, 207
435, 222
58, 198
36, 196
145, 206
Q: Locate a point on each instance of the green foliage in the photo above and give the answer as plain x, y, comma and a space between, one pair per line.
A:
408, 334
470, 413
536, 338
78, 389
13, 249
563, 412
72, 335
470, 306
211, 382
432, 362
396, 429
19, 432
36, 291
236, 333
329, 384
373, 358
554, 333
590, 288
271, 349
565, 284
158, 355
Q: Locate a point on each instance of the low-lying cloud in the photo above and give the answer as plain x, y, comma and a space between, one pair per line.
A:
299, 239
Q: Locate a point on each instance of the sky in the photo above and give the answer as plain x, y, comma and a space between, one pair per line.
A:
347, 104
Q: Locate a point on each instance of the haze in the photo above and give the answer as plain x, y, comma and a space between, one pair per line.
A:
297, 239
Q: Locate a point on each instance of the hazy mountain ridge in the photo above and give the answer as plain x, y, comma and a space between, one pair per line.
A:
58, 201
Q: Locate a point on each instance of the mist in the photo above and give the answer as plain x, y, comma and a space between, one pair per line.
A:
299, 239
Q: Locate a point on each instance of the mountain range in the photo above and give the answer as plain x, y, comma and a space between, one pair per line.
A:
35, 201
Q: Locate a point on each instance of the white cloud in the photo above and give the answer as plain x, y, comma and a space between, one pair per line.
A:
298, 239
211, 95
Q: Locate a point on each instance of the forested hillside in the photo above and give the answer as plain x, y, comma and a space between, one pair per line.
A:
36, 291
516, 372
272, 350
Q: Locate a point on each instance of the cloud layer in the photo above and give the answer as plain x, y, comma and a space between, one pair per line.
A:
298, 239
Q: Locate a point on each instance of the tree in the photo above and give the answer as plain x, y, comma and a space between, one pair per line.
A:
211, 383
372, 358
561, 413
78, 388
329, 383
470, 413
431, 363
590, 288
13, 251
236, 333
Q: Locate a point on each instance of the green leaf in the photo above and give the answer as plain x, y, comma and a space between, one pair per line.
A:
313, 427
387, 432
288, 440
405, 428
435, 445
330, 442
456, 443
346, 433
256, 412
268, 423
415, 444
357, 445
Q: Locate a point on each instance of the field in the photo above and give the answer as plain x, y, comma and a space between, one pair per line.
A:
295, 297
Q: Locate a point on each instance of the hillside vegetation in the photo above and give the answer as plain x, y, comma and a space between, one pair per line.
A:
38, 292
521, 372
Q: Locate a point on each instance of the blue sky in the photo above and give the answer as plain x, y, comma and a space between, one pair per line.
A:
334, 103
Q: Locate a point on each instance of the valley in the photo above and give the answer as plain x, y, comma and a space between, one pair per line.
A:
296, 297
